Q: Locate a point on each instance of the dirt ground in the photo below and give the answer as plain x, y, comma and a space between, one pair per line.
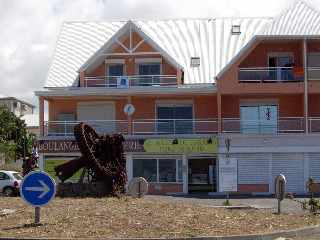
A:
146, 217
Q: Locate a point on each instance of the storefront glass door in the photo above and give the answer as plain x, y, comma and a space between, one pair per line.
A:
202, 175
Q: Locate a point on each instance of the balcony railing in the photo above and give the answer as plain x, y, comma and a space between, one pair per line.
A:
187, 126
283, 125
270, 74
314, 73
130, 81
174, 126
314, 125
65, 128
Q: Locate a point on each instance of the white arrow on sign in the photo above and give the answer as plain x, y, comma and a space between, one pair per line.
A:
44, 189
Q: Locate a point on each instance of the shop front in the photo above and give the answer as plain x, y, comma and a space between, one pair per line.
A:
169, 165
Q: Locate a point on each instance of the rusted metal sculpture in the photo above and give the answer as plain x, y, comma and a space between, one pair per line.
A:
102, 157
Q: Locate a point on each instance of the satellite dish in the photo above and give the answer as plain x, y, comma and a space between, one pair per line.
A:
129, 109
138, 187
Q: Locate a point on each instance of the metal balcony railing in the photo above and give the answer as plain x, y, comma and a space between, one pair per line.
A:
270, 74
187, 126
314, 125
131, 81
282, 125
174, 126
65, 128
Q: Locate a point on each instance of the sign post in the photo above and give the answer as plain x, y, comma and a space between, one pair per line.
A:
280, 189
37, 189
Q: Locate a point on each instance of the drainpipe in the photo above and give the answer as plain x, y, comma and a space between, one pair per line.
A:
306, 101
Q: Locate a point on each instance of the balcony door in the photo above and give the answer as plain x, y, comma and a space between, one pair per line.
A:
174, 119
280, 65
149, 74
259, 119
115, 70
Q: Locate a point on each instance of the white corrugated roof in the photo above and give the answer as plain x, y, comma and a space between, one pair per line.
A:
209, 39
299, 19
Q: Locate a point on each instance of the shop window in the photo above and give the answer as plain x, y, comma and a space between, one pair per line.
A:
146, 168
158, 170
167, 170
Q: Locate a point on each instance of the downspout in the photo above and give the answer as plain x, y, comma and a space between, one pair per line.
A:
306, 100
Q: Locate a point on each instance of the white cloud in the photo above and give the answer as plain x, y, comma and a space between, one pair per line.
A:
30, 28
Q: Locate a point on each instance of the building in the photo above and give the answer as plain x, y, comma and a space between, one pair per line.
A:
32, 122
17, 106
211, 105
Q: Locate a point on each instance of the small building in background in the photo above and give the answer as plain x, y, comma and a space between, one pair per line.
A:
32, 122
17, 106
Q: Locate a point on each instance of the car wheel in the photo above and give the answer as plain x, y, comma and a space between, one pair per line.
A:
8, 192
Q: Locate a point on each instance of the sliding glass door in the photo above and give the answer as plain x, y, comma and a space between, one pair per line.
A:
259, 119
175, 119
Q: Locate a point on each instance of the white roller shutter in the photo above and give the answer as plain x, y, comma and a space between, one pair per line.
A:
292, 166
253, 168
314, 166
100, 115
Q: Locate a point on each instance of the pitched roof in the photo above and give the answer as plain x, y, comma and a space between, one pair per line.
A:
298, 19
210, 39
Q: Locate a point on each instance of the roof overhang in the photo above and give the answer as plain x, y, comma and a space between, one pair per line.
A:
136, 91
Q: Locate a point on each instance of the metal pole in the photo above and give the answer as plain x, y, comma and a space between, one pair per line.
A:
279, 206
37, 215
306, 105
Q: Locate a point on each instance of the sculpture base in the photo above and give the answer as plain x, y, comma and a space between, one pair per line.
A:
97, 189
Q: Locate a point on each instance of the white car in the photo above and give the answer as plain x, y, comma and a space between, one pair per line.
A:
10, 182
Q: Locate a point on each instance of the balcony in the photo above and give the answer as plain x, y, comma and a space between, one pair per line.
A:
65, 128
174, 126
283, 125
271, 74
131, 81
139, 127
146, 127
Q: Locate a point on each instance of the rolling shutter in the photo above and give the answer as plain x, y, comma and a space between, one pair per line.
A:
314, 166
291, 165
253, 168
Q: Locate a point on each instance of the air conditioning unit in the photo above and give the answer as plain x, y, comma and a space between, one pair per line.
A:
123, 82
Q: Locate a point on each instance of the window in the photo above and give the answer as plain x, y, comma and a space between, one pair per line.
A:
114, 72
149, 74
63, 126
195, 62
4, 176
280, 66
115, 69
174, 119
259, 119
167, 170
149, 69
146, 168
158, 170
236, 30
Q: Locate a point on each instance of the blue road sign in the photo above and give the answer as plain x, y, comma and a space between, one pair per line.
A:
37, 188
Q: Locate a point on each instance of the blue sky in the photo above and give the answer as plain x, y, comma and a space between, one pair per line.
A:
30, 28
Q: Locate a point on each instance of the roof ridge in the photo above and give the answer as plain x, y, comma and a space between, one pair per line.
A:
164, 19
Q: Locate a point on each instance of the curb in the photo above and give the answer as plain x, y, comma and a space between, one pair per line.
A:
300, 232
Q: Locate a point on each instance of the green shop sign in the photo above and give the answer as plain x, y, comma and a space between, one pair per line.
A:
208, 145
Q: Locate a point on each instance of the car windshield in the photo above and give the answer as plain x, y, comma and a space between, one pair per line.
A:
17, 176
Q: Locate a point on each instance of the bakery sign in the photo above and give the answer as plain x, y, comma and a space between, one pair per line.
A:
71, 146
164, 146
